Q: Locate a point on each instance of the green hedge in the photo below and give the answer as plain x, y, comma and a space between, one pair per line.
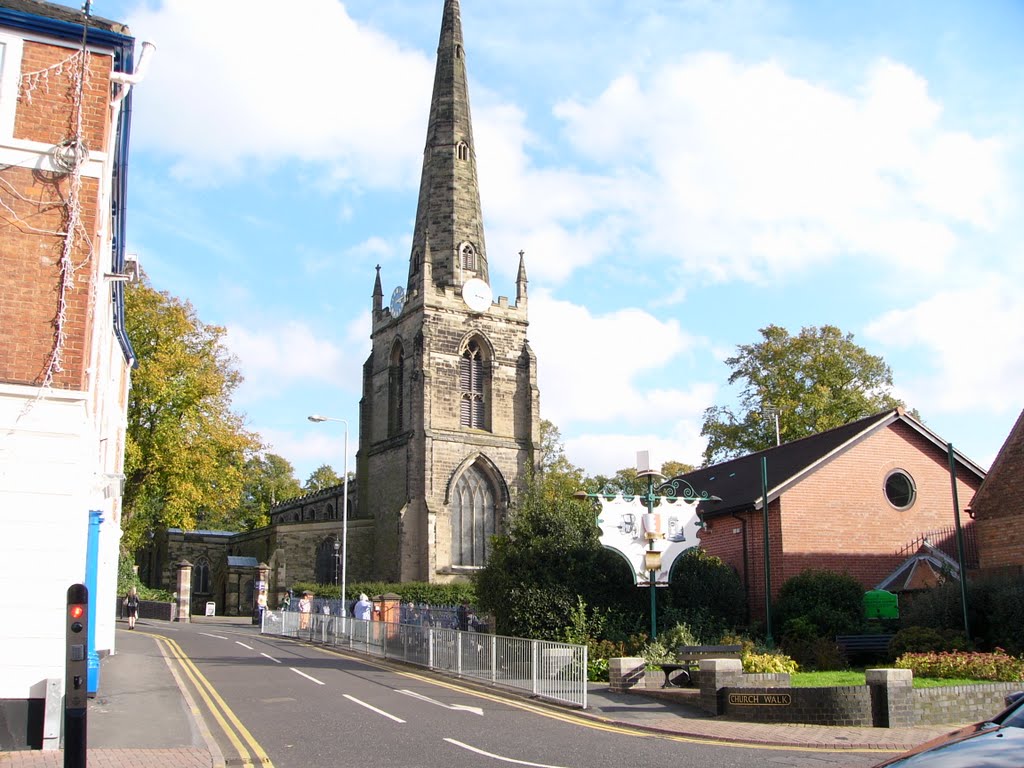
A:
414, 591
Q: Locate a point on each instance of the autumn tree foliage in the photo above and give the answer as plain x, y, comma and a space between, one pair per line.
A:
186, 449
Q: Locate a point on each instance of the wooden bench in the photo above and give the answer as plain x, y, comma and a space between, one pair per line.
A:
863, 645
678, 673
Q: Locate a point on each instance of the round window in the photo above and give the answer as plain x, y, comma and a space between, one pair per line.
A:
899, 489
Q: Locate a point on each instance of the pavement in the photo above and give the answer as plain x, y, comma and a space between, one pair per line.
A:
144, 717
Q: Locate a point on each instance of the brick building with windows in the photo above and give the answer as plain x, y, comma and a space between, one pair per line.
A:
858, 498
65, 359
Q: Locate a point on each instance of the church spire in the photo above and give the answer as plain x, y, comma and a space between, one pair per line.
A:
449, 232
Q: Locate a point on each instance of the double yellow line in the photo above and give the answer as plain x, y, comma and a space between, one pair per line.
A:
249, 752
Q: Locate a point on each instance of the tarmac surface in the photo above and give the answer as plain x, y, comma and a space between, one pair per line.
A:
143, 717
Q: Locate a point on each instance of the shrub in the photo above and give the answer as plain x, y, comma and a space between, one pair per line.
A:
757, 663
997, 666
655, 653
680, 634
995, 609
705, 593
924, 640
832, 603
815, 653
746, 644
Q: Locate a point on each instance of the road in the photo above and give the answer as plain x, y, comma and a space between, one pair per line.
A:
279, 702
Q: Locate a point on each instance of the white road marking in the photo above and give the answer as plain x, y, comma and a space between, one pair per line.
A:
276, 661
373, 708
457, 707
500, 757
219, 637
297, 672
239, 642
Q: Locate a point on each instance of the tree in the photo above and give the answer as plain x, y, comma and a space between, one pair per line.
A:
323, 476
815, 381
549, 556
269, 480
185, 449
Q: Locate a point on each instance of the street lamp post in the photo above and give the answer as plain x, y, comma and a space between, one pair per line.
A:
344, 507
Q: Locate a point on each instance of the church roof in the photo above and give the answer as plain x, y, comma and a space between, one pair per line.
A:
237, 561
738, 482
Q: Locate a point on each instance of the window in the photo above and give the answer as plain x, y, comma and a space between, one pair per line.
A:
900, 490
462, 150
473, 518
201, 576
472, 407
414, 263
468, 256
396, 387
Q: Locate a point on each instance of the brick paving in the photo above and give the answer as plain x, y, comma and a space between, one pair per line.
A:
180, 757
683, 718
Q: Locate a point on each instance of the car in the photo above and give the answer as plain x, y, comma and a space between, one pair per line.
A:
995, 743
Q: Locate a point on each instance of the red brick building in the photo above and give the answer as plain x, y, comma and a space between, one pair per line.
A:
65, 359
998, 508
852, 499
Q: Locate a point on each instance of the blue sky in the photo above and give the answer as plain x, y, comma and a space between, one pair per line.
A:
680, 173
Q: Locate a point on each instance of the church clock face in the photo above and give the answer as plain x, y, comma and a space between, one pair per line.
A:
477, 294
397, 301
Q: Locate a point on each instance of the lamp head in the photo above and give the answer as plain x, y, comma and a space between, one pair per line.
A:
317, 418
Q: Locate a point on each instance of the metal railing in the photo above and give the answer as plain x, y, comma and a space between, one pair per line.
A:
553, 671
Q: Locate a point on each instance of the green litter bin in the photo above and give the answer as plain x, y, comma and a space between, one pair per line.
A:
880, 604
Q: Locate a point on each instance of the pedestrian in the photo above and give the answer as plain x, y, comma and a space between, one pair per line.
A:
427, 616
131, 604
286, 601
305, 608
364, 608
261, 606
462, 613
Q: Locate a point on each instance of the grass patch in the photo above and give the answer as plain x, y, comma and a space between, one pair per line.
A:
856, 677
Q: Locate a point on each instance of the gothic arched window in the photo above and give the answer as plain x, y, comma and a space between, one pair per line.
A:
473, 387
201, 576
396, 387
463, 150
473, 518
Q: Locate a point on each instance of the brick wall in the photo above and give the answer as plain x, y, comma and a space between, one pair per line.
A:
30, 272
999, 508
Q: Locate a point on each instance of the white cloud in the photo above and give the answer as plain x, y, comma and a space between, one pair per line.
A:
274, 358
593, 366
973, 338
752, 170
230, 90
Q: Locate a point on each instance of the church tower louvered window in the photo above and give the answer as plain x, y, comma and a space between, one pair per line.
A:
472, 372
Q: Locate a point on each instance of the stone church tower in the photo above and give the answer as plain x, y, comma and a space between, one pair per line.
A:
449, 423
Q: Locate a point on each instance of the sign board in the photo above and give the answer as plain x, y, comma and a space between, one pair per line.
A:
761, 699
211, 609
625, 522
